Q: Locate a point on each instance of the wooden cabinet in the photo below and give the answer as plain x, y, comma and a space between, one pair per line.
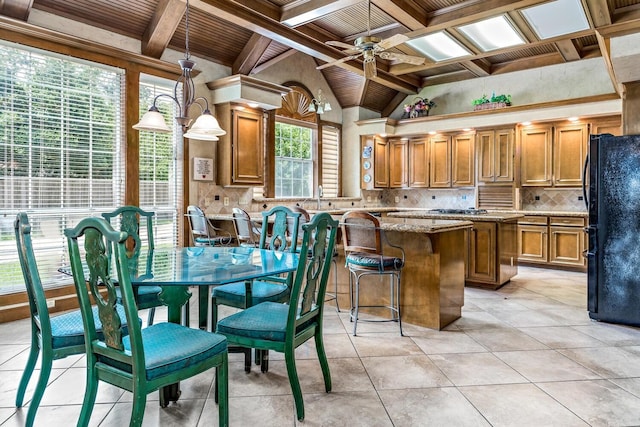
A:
463, 160
535, 156
241, 151
553, 155
566, 241
612, 125
398, 173
419, 162
380, 163
495, 155
569, 153
440, 167
551, 241
482, 252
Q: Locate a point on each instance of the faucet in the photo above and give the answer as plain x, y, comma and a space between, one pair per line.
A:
319, 195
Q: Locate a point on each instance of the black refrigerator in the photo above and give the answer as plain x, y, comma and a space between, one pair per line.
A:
613, 254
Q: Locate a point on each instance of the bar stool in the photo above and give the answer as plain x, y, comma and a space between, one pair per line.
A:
363, 245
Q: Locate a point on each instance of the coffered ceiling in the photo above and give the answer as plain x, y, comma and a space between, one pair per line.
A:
253, 35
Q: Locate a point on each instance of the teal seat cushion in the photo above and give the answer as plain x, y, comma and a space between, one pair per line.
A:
169, 347
373, 261
233, 294
147, 296
67, 329
265, 321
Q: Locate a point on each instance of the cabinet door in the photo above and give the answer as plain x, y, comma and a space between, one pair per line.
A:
440, 156
532, 243
566, 245
569, 152
462, 161
398, 149
247, 148
482, 252
504, 154
486, 163
535, 156
380, 163
419, 162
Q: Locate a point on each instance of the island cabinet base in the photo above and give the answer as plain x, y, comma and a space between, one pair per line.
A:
432, 279
492, 254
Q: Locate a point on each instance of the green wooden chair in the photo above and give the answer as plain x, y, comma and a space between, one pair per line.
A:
284, 327
279, 232
56, 337
130, 217
147, 359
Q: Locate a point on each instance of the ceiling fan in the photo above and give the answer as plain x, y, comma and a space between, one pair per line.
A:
368, 47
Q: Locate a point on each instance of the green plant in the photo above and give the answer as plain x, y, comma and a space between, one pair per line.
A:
494, 98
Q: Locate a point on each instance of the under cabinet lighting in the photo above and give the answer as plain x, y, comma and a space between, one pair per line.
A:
573, 119
525, 123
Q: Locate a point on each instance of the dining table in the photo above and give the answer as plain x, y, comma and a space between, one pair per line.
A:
176, 269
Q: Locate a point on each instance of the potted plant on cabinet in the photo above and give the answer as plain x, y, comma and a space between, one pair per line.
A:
419, 108
496, 101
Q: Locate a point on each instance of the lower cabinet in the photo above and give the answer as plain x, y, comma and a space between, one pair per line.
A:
557, 241
492, 254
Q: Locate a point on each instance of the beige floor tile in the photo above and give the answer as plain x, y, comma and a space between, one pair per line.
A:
455, 341
262, 411
609, 362
355, 409
444, 406
384, 345
545, 365
562, 337
505, 339
404, 372
598, 402
503, 405
178, 414
476, 369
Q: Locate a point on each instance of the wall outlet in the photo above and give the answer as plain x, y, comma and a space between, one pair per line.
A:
225, 201
368, 199
397, 199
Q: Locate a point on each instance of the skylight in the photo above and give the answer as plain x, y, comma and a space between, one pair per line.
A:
439, 46
556, 18
491, 34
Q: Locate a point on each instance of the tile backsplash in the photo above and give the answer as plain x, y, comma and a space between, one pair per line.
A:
552, 199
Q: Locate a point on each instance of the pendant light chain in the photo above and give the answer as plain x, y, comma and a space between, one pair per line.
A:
186, 38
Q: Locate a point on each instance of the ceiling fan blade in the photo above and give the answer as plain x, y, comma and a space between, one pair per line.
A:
408, 59
391, 42
336, 43
370, 69
338, 61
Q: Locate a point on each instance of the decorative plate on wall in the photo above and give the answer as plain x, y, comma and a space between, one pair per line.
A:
367, 178
366, 164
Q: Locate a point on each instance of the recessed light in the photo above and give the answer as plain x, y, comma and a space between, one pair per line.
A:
467, 129
525, 123
253, 104
573, 119
432, 132
491, 34
439, 46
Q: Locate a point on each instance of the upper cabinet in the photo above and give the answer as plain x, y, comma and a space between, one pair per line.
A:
463, 160
440, 168
419, 162
398, 171
241, 150
380, 162
495, 155
553, 155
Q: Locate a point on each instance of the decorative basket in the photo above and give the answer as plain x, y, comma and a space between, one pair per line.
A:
419, 108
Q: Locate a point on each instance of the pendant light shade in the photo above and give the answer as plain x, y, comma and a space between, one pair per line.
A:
152, 121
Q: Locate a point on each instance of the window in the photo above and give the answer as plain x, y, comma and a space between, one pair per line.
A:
330, 161
160, 164
294, 160
60, 153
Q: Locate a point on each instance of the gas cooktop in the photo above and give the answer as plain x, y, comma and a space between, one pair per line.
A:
460, 211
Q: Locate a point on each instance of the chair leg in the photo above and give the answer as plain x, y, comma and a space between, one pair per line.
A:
357, 305
90, 393
324, 363
335, 283
292, 372
139, 403
152, 313
264, 361
222, 391
43, 379
398, 305
28, 371
214, 314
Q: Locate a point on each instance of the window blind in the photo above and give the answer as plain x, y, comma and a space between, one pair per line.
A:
330, 177
60, 153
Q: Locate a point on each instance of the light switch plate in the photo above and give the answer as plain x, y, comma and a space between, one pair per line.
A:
225, 201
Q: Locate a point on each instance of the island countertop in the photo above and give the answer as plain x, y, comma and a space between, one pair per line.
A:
487, 217
422, 225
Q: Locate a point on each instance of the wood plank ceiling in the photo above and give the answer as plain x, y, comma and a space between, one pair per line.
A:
252, 35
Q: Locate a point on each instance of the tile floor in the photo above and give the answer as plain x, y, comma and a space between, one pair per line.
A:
525, 355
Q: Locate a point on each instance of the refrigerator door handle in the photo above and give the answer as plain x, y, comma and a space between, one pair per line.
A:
584, 181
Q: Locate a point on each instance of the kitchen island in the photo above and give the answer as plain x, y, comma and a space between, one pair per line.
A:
490, 246
433, 276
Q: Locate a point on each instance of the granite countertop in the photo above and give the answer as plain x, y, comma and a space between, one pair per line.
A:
488, 217
422, 225
577, 214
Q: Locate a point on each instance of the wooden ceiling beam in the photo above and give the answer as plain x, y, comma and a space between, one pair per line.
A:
17, 9
273, 61
468, 12
599, 12
250, 54
405, 12
241, 15
301, 12
605, 49
568, 50
393, 104
162, 26
479, 67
